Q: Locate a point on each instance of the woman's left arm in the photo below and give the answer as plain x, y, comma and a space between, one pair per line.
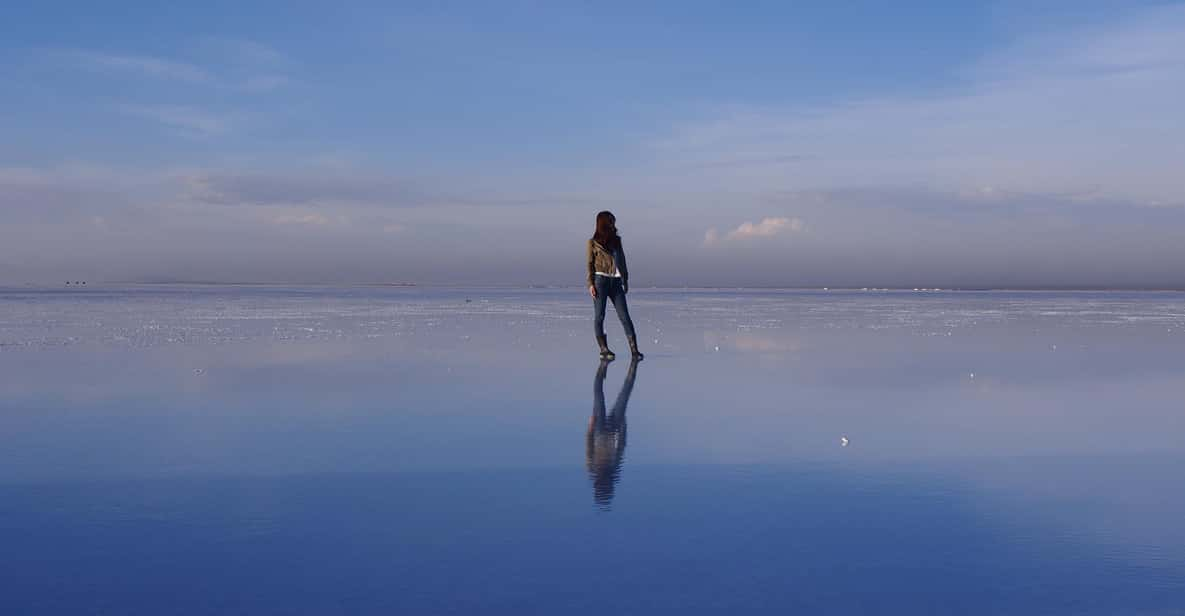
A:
623, 268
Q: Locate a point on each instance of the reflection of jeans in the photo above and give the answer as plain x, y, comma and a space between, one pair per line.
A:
609, 287
614, 420
605, 444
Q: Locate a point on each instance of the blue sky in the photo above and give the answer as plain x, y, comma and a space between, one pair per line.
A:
762, 143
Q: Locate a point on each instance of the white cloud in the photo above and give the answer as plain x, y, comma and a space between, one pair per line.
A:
768, 227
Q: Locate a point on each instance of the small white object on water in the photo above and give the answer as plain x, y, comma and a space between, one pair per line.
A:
843, 441
717, 348
972, 375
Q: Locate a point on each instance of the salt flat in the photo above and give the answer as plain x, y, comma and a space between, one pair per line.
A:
274, 449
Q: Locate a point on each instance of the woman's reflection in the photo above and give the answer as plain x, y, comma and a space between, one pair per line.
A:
605, 448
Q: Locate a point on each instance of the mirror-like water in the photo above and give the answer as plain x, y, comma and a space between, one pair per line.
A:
178, 450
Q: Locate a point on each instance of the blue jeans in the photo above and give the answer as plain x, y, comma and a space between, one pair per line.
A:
609, 288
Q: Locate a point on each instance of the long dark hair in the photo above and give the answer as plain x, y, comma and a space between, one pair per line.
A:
606, 234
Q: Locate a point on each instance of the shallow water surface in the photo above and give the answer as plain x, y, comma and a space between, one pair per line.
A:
314, 450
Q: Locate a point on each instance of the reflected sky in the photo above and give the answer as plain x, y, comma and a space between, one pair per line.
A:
373, 450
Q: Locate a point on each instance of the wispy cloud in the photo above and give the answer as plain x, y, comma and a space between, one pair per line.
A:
301, 219
250, 66
149, 66
234, 65
264, 83
151, 221
768, 227
244, 51
234, 69
1029, 169
309, 187
192, 122
1093, 110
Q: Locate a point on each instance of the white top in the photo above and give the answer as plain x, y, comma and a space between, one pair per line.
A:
616, 270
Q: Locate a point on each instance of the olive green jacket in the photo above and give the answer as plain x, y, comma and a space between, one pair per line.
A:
601, 259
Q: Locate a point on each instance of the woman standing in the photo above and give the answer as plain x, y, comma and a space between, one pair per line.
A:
608, 279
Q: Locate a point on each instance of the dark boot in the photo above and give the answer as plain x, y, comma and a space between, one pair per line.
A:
634, 348
603, 342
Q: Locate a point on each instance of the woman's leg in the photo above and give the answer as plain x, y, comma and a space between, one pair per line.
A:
602, 287
599, 306
623, 310
599, 393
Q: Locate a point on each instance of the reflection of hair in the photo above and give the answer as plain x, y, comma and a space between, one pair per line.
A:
606, 234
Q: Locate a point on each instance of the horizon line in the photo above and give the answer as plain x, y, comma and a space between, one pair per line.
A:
436, 285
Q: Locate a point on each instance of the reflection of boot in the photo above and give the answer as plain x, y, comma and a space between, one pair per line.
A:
603, 342
634, 348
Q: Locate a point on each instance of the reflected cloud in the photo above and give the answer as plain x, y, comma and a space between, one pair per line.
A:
751, 342
605, 444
